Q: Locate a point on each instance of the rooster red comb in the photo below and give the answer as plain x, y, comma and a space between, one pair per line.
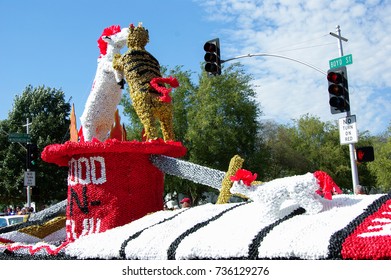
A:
107, 32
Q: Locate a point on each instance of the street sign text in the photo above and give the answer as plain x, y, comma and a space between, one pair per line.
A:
348, 130
341, 61
19, 137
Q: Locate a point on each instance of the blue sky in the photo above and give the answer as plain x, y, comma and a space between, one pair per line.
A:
53, 43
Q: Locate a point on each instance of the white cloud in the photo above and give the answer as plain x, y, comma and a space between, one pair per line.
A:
300, 29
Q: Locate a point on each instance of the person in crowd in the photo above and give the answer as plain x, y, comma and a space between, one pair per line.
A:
186, 203
359, 190
10, 211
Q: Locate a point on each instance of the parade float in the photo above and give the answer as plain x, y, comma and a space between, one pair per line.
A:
114, 206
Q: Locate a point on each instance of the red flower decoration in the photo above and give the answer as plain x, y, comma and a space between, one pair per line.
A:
114, 29
165, 92
327, 186
246, 176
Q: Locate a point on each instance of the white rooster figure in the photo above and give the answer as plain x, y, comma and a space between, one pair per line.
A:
270, 195
106, 91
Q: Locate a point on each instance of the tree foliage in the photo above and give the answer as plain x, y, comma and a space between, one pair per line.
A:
48, 113
223, 118
309, 145
381, 166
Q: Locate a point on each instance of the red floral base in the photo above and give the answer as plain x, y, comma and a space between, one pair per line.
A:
110, 183
60, 154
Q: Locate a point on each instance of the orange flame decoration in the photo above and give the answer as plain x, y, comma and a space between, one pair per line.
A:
117, 131
72, 126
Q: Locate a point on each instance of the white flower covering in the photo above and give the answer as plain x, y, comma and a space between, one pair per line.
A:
225, 231
98, 115
111, 240
308, 236
155, 242
271, 195
236, 230
222, 231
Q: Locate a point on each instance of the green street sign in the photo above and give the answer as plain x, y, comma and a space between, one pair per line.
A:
19, 137
341, 61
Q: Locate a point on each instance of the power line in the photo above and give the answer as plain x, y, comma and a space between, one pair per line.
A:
289, 48
309, 47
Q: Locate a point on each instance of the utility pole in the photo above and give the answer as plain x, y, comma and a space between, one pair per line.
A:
353, 163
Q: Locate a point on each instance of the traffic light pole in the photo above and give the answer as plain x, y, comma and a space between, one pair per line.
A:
28, 188
353, 163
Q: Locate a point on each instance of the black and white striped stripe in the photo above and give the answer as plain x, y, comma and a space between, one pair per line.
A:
227, 231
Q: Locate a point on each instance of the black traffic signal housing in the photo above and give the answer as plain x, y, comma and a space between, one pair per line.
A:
32, 156
212, 57
338, 90
365, 154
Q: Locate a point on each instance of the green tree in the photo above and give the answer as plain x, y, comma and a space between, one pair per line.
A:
309, 145
48, 114
133, 127
381, 166
223, 119
223, 122
297, 149
305, 146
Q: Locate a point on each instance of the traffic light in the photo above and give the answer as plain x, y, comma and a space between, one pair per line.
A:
32, 156
338, 90
365, 154
212, 57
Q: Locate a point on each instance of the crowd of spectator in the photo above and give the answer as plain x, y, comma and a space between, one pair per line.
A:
18, 211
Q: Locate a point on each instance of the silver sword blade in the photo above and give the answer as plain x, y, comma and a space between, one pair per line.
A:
190, 171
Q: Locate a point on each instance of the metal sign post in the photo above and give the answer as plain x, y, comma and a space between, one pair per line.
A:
28, 182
